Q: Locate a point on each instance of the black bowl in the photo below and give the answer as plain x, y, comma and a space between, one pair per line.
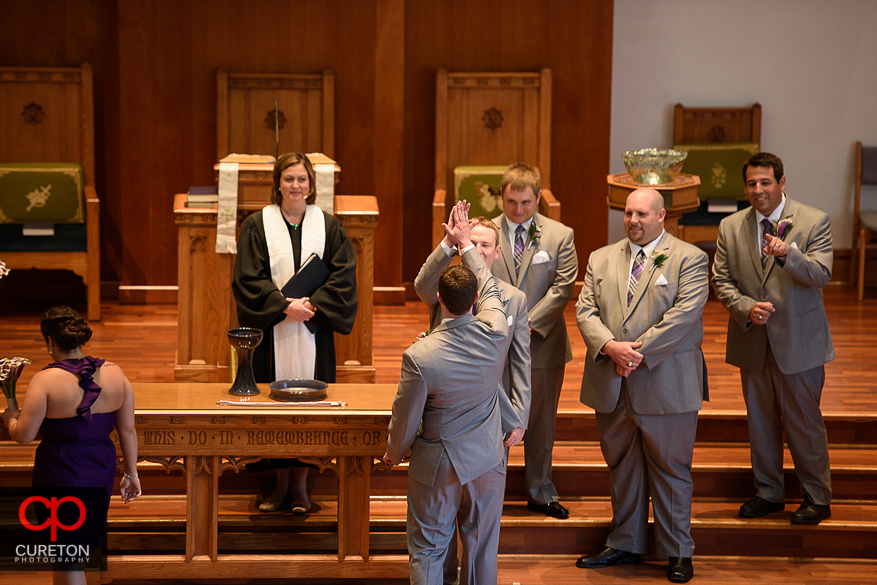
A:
298, 390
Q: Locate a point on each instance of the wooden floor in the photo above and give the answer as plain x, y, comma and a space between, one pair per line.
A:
142, 340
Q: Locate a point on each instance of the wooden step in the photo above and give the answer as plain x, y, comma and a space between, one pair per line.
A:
716, 426
158, 524
718, 471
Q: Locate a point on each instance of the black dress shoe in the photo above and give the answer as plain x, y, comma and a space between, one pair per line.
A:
553, 509
758, 507
680, 569
606, 558
810, 513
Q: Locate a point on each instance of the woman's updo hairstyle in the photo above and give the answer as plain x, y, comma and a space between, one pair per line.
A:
65, 327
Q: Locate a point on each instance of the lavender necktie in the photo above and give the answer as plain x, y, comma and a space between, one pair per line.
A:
519, 247
768, 230
635, 272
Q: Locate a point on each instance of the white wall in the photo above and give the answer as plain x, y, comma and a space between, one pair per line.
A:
812, 64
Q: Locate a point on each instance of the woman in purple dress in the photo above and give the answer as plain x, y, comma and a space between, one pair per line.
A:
75, 403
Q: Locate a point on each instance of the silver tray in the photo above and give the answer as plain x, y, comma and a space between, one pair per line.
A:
298, 390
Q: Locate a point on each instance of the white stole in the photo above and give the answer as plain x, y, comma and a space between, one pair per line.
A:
227, 212
295, 348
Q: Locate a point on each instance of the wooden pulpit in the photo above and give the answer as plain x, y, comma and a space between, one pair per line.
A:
207, 308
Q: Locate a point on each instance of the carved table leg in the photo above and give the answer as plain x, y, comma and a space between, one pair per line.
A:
354, 474
202, 507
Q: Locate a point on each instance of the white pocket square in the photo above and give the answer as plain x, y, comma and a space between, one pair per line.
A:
795, 245
511, 320
661, 281
540, 257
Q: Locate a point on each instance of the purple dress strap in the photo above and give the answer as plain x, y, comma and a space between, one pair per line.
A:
84, 368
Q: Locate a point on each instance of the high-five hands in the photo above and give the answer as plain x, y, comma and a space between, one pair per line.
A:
459, 227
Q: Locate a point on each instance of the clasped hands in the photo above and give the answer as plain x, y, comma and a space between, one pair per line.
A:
458, 228
624, 354
761, 312
300, 309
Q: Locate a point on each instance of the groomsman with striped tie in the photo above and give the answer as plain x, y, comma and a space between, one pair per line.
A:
640, 313
540, 259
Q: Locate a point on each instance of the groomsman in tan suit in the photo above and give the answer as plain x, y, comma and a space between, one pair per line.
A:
772, 261
538, 257
640, 313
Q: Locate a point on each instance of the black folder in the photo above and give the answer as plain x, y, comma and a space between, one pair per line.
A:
312, 275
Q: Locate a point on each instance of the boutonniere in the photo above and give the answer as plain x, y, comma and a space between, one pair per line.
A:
534, 232
657, 261
781, 226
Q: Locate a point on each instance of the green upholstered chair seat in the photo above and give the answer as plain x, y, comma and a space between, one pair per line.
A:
69, 237
479, 185
719, 166
41, 192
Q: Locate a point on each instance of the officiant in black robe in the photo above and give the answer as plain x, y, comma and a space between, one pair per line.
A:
262, 305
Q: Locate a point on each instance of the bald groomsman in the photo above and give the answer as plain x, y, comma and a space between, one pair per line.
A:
540, 259
640, 313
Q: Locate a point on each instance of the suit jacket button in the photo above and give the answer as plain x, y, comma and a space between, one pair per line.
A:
625, 330
763, 296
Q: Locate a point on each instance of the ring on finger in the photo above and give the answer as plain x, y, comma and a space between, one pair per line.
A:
629, 364
760, 317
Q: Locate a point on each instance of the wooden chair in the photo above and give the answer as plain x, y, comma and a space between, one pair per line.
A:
713, 126
245, 112
47, 116
864, 221
491, 119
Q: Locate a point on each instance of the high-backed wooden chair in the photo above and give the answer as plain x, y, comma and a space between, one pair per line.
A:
491, 119
864, 220
245, 112
713, 127
47, 116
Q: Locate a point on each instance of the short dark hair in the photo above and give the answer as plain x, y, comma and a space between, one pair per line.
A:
766, 160
520, 176
458, 287
66, 328
284, 161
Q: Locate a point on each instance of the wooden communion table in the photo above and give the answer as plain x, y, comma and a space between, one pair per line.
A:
181, 427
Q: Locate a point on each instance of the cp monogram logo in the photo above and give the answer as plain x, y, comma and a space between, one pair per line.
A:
52, 522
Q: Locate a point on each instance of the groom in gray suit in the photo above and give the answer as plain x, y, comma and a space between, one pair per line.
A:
450, 384
539, 258
640, 313
772, 261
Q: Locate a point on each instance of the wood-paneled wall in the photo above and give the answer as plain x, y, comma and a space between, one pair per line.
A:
155, 66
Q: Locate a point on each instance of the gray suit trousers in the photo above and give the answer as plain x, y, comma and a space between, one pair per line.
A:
433, 512
774, 400
649, 452
545, 387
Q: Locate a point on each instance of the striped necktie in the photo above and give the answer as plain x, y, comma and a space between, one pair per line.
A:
635, 273
519, 247
767, 226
